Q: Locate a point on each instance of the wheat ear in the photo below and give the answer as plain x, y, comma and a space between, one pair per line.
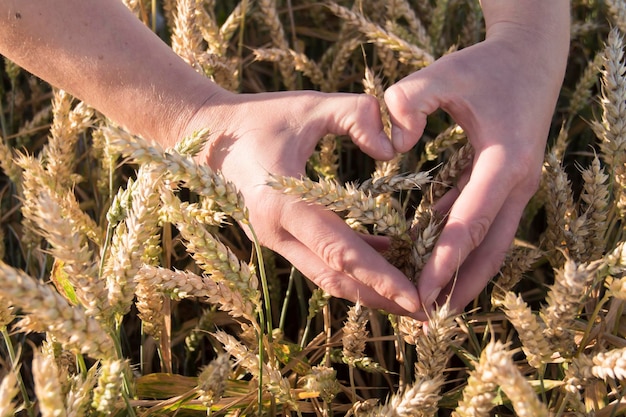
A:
49, 311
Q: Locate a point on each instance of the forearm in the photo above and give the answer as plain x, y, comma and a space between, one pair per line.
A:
98, 51
541, 26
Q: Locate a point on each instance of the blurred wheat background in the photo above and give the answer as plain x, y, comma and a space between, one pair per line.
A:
127, 288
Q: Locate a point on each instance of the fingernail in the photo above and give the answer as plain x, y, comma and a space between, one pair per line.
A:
406, 303
397, 137
432, 296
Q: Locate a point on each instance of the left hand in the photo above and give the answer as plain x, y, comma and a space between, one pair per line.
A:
501, 94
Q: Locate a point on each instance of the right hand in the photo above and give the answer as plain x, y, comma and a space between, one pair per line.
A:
276, 133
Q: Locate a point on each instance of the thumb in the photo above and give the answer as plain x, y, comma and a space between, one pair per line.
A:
410, 101
356, 115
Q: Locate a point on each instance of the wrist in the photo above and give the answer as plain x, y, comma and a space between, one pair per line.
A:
536, 31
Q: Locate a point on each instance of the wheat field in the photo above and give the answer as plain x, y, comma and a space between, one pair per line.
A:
127, 287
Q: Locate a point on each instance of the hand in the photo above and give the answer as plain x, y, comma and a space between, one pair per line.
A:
503, 96
276, 133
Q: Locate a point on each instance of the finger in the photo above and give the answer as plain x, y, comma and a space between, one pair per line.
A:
485, 261
357, 115
333, 282
410, 101
469, 221
343, 261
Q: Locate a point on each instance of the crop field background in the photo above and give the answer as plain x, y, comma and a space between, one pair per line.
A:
128, 288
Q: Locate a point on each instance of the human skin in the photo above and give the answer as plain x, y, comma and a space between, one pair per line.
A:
99, 52
502, 92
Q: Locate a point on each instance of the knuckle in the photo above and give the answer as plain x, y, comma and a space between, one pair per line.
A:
334, 254
476, 231
396, 98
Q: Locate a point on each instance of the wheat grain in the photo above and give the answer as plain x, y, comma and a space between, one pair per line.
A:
529, 329
503, 371
583, 89
184, 284
618, 12
450, 136
408, 54
402, 9
47, 309
447, 175
67, 124
355, 334
299, 60
343, 51
74, 260
424, 233
233, 22
78, 398
561, 214
564, 301
177, 168
35, 180
322, 380
325, 161
108, 391
7, 164
611, 129
480, 392
48, 385
518, 261
8, 390
132, 240
595, 196
269, 16
212, 380
433, 349
418, 400
359, 205
213, 256
437, 23
186, 36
